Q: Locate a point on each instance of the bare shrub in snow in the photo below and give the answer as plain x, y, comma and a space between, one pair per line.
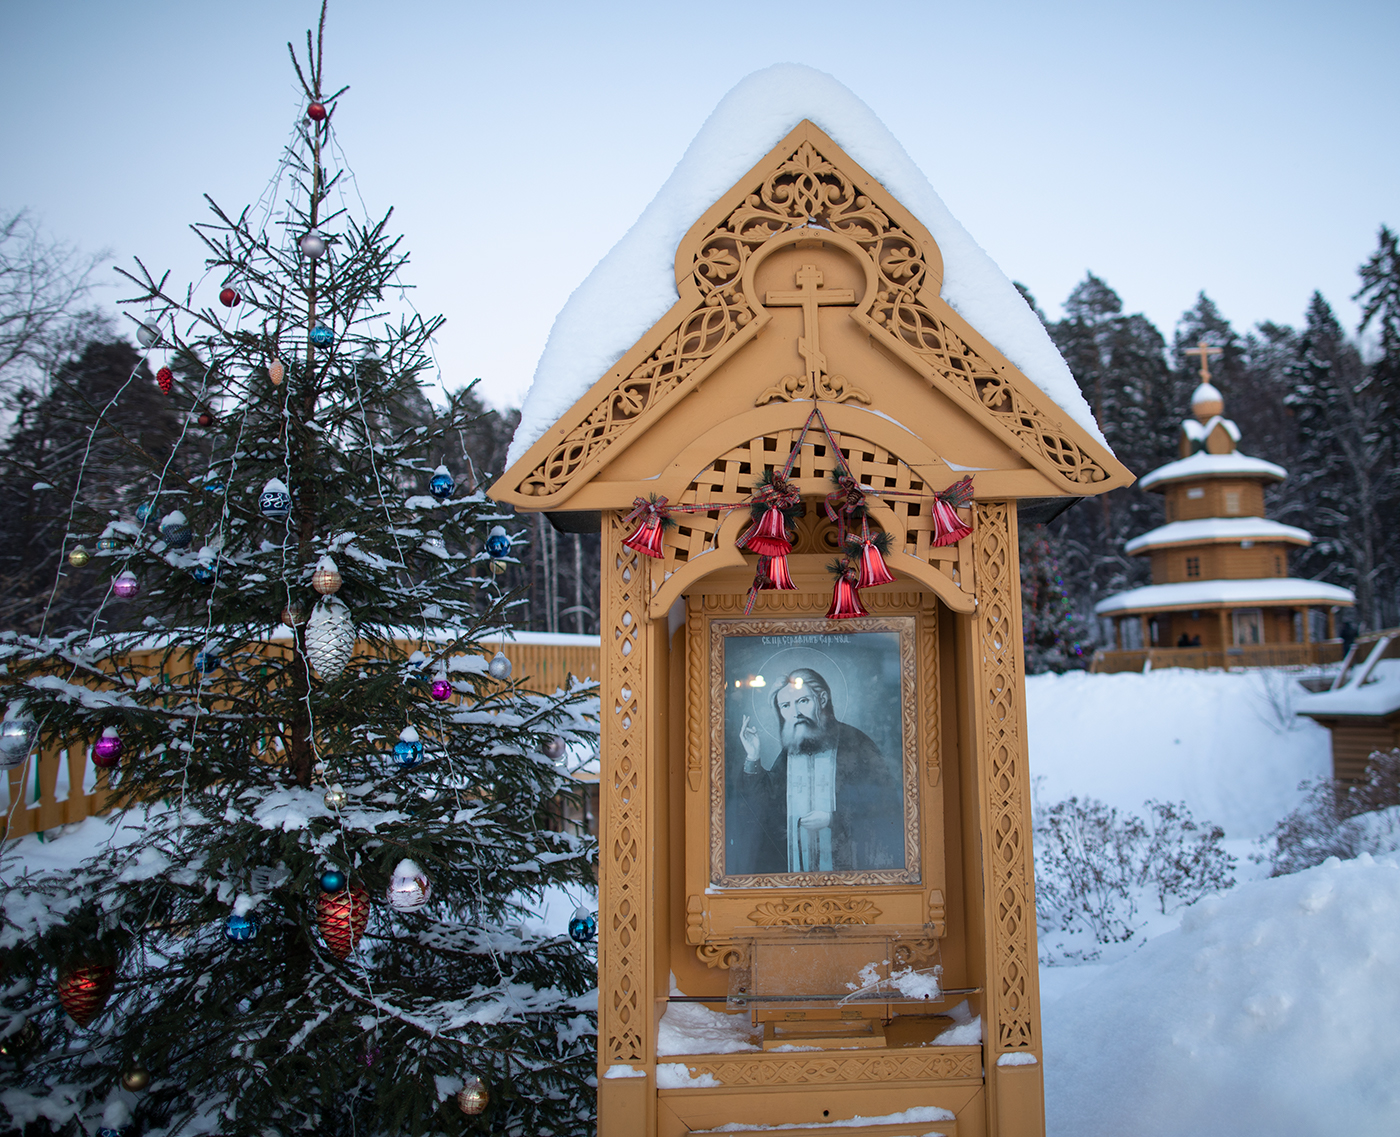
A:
1339, 819
1095, 868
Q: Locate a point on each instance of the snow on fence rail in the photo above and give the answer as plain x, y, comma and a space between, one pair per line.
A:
59, 785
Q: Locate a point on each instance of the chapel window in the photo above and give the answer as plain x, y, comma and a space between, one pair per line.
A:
1193, 566
1232, 501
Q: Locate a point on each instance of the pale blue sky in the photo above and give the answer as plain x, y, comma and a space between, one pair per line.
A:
1246, 148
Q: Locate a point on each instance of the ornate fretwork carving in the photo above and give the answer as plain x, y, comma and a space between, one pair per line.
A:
931, 692
733, 477
938, 347
808, 190
624, 1003
723, 956
944, 1064
1011, 884
808, 912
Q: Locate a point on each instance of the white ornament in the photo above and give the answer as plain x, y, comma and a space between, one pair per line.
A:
330, 638
275, 501
409, 889
16, 740
499, 667
313, 245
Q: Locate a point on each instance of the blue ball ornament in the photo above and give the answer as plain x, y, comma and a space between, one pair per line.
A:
322, 336
177, 534
203, 573
497, 542
239, 928
117, 1131
442, 485
333, 880
408, 753
108, 544
206, 661
583, 928
214, 486
144, 511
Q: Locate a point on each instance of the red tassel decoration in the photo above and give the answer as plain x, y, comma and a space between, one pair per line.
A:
84, 990
845, 597
776, 571
873, 570
647, 537
769, 537
342, 917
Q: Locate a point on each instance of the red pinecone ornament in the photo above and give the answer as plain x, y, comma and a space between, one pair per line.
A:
316, 112
342, 917
166, 378
229, 297
85, 989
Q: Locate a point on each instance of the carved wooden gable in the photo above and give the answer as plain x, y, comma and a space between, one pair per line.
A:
808, 280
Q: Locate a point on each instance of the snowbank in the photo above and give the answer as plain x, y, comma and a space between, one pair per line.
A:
635, 284
1271, 1012
1228, 744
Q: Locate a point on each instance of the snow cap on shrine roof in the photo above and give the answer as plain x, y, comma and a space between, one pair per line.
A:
634, 284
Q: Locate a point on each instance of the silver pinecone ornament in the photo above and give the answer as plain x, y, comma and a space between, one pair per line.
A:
330, 638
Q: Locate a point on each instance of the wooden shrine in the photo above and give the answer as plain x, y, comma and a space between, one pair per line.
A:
817, 829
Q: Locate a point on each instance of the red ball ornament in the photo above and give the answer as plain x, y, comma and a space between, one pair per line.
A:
316, 112
342, 917
85, 989
205, 418
166, 378
229, 297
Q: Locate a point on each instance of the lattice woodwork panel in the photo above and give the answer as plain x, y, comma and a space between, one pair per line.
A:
624, 1004
806, 188
839, 1069
1011, 887
732, 478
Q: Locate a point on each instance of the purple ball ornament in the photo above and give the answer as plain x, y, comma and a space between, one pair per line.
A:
441, 690
126, 586
107, 754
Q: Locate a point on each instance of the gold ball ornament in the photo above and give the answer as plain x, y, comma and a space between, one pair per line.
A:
78, 556
276, 372
326, 579
499, 567
473, 1098
136, 1076
336, 797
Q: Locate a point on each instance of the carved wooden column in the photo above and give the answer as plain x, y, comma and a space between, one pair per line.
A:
1012, 1001
626, 1032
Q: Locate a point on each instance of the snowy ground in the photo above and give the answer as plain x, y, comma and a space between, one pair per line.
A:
1266, 1011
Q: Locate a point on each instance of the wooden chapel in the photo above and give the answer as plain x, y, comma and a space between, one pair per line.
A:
839, 949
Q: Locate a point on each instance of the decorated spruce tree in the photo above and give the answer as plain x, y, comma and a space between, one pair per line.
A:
316, 916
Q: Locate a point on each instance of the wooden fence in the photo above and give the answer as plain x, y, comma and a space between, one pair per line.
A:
1255, 655
59, 786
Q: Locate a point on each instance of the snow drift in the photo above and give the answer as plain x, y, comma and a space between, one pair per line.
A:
634, 285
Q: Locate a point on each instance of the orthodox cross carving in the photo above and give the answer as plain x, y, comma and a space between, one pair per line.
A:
1205, 351
811, 297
